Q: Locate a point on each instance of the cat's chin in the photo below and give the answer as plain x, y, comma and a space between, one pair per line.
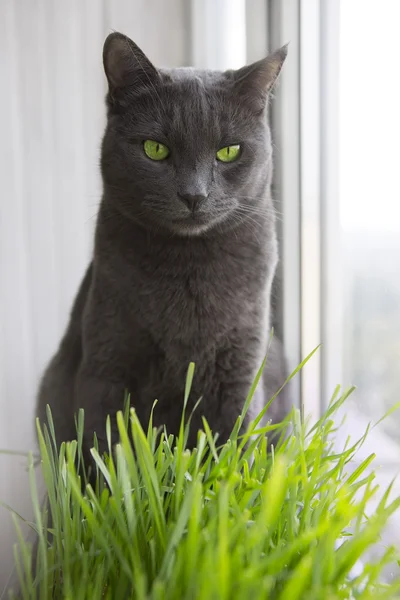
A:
198, 224
191, 227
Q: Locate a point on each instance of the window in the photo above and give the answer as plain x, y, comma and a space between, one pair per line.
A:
370, 207
369, 202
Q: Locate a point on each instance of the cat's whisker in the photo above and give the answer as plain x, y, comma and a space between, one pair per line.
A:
257, 211
254, 216
261, 210
260, 207
251, 207
249, 200
255, 198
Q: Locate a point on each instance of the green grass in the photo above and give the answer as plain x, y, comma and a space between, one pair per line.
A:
232, 522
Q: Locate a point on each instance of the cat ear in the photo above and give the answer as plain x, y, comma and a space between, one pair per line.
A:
126, 65
256, 81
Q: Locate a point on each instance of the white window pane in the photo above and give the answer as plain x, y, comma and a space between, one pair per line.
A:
370, 204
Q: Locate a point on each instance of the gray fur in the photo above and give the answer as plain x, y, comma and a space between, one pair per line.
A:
167, 284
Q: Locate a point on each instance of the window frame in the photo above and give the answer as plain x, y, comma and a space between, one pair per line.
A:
304, 117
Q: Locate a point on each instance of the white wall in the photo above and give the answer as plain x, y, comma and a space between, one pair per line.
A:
51, 120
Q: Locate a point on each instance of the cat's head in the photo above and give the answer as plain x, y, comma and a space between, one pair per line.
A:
185, 150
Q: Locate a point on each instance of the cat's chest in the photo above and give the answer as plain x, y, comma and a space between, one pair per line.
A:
196, 300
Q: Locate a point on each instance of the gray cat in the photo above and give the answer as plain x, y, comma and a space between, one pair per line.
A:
185, 252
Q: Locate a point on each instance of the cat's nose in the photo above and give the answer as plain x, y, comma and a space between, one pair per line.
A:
192, 201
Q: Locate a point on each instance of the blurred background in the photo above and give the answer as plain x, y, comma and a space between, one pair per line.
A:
336, 124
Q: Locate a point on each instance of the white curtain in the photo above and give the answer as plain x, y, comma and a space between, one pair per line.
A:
51, 122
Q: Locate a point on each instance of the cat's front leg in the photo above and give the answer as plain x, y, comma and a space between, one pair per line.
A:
100, 395
236, 368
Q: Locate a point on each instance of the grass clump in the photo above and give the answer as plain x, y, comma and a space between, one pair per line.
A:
234, 522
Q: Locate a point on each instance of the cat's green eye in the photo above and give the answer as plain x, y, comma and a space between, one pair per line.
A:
229, 153
155, 150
